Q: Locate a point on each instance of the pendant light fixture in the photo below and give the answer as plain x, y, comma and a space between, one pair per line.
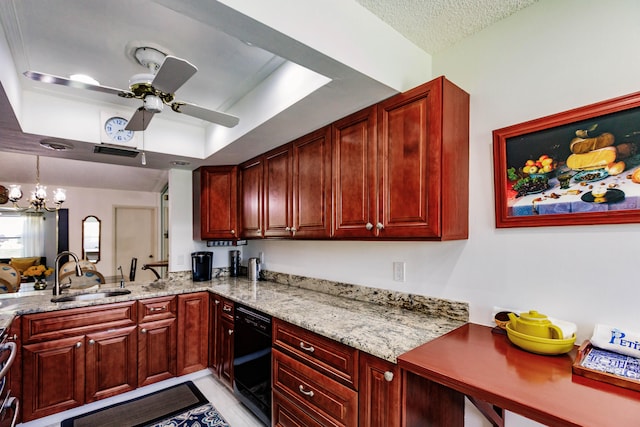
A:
38, 198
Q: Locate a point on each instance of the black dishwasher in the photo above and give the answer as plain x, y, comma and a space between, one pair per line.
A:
252, 361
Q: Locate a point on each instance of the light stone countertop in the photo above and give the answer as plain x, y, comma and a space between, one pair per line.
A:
379, 322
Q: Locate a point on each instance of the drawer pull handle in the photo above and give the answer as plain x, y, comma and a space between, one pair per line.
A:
305, 392
158, 308
226, 308
388, 376
310, 349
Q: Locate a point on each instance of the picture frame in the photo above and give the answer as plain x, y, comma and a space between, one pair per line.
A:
577, 167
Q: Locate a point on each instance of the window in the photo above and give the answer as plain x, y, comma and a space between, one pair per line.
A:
11, 235
20, 235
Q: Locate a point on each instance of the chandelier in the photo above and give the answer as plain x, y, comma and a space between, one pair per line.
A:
38, 199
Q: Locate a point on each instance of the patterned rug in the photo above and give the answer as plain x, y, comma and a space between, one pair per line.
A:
202, 416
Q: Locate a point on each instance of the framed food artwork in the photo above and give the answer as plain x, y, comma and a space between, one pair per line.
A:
578, 167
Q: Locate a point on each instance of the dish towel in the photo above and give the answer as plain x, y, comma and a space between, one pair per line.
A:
618, 340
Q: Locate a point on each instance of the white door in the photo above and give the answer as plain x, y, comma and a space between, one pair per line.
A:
136, 231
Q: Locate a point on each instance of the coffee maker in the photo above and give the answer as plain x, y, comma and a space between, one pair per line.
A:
201, 265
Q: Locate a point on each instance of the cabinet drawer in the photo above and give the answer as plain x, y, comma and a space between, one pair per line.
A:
228, 309
314, 392
156, 309
287, 414
77, 321
332, 358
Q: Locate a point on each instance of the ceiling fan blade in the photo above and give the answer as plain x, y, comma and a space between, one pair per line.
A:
212, 116
50, 78
140, 120
173, 73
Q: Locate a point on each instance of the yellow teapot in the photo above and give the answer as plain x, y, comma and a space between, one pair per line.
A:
535, 324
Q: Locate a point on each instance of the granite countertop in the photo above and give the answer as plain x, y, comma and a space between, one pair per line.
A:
379, 322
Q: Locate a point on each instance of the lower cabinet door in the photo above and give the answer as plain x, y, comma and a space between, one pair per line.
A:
379, 392
156, 351
193, 332
111, 363
323, 398
53, 377
226, 351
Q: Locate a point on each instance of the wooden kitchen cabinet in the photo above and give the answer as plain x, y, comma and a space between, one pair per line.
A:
401, 167
315, 379
193, 332
53, 376
157, 333
311, 185
110, 363
225, 336
215, 305
423, 152
379, 392
215, 202
251, 198
277, 180
75, 356
355, 175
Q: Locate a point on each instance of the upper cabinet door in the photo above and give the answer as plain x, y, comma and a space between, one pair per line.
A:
312, 185
423, 159
354, 175
215, 196
277, 192
251, 198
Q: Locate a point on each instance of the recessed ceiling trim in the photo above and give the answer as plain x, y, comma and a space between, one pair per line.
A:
55, 145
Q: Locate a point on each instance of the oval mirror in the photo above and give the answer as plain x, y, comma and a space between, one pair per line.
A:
91, 239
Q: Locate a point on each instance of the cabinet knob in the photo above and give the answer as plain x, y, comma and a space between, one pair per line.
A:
233, 231
92, 342
287, 229
305, 392
293, 230
310, 348
388, 376
78, 344
230, 331
380, 226
369, 226
13, 337
259, 230
143, 330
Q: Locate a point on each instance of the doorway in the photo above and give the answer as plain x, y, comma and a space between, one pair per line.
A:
135, 237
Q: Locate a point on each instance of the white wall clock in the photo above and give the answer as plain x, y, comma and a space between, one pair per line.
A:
114, 127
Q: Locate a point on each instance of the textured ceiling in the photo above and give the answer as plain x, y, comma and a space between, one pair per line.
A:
434, 25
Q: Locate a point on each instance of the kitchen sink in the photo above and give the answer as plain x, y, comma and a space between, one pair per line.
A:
91, 295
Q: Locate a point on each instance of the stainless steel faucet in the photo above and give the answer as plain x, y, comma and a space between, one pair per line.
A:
56, 283
121, 276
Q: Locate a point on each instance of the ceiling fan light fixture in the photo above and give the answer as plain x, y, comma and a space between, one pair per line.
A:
153, 104
149, 57
84, 79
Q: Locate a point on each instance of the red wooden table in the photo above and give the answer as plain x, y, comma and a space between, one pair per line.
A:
472, 361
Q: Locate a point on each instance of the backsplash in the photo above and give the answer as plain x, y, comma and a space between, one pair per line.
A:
438, 307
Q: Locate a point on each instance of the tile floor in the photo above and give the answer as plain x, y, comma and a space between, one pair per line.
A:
222, 398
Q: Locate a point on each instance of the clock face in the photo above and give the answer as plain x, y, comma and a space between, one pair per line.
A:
115, 129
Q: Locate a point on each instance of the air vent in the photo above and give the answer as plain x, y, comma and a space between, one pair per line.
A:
115, 151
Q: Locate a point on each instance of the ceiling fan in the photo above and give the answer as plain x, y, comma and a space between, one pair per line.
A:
156, 89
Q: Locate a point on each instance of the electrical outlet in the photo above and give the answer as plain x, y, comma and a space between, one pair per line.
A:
399, 270
261, 257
